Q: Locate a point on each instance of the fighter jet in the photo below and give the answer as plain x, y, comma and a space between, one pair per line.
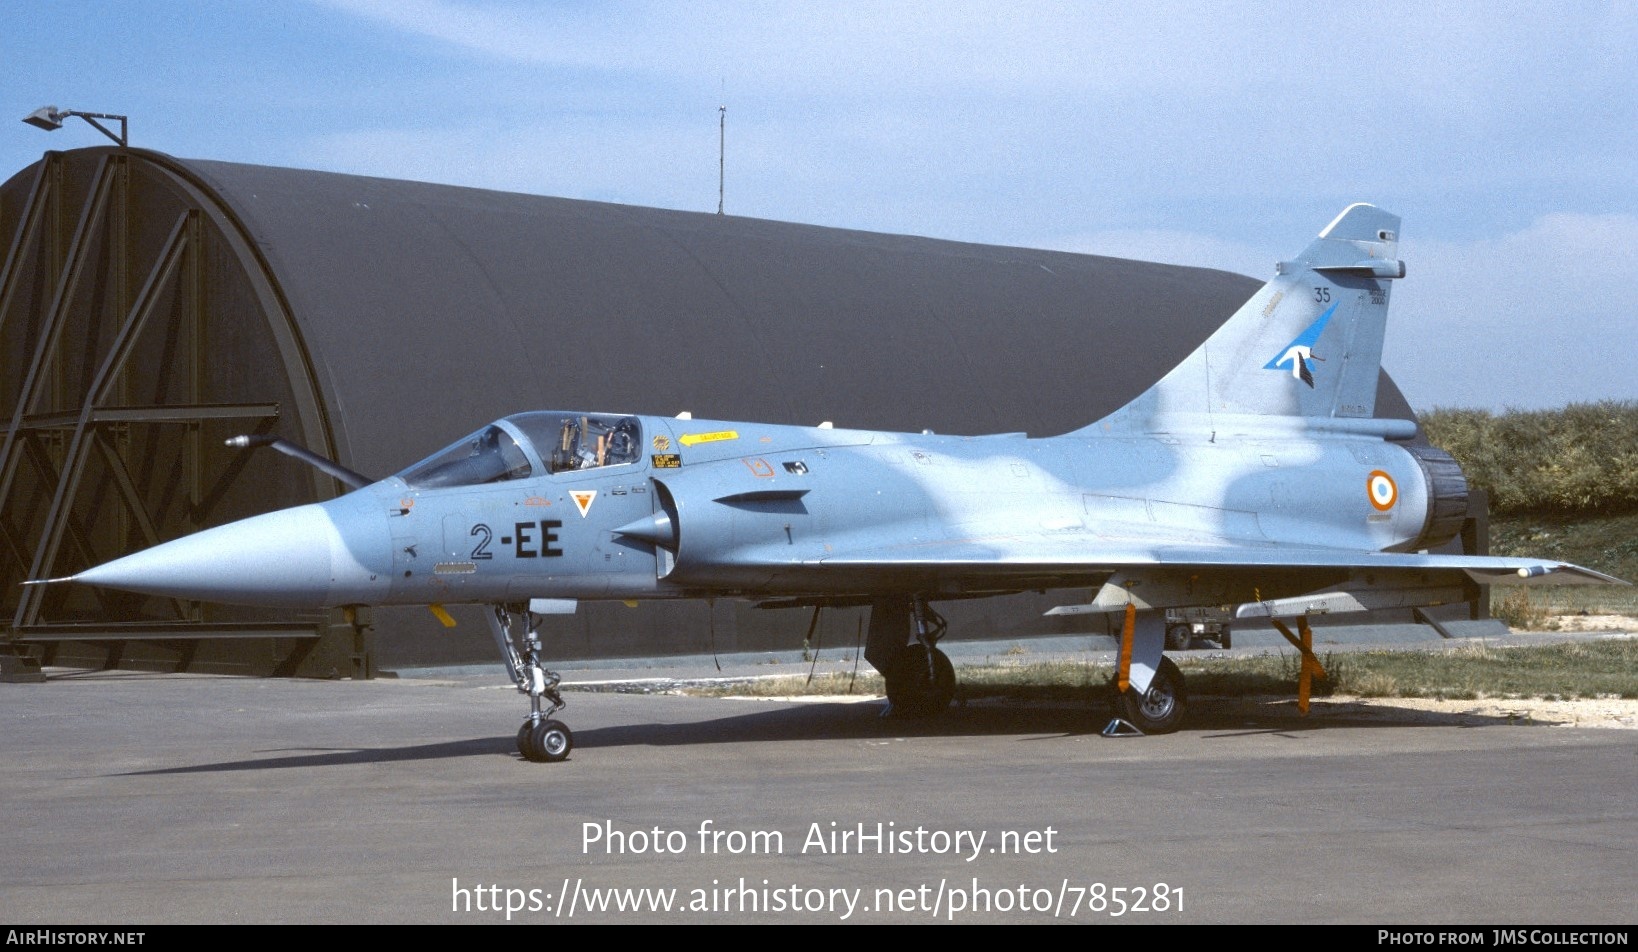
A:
1253, 480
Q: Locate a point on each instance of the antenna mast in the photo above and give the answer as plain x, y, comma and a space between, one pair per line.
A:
722, 152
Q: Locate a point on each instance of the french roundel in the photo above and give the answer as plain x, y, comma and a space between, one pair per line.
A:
1382, 490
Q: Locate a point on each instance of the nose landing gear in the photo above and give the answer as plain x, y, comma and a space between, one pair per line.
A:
544, 740
541, 739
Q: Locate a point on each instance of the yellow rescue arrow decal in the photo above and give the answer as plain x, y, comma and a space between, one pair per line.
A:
689, 439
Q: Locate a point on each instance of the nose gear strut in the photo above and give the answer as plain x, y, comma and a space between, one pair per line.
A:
541, 739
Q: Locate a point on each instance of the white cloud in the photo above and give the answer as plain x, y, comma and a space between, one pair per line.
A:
1200, 132
1535, 318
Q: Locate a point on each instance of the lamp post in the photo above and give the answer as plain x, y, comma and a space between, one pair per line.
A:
51, 118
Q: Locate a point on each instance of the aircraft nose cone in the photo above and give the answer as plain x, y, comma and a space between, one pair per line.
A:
294, 557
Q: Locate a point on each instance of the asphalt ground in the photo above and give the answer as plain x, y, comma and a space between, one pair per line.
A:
133, 798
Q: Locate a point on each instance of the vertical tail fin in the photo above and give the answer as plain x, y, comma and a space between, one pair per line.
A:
1309, 344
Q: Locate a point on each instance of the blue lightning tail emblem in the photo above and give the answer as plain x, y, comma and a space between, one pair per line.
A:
1300, 351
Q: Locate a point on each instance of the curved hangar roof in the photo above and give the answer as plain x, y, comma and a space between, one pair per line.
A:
152, 305
427, 309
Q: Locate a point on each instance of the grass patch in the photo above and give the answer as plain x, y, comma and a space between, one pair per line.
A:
1039, 681
1583, 669
1515, 608
1606, 543
822, 685
1588, 669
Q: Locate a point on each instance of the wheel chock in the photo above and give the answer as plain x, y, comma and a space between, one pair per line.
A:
1121, 727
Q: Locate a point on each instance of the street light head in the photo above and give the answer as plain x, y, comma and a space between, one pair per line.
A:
50, 118
45, 117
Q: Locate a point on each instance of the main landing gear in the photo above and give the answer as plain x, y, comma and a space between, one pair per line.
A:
541, 739
1160, 706
1160, 709
920, 678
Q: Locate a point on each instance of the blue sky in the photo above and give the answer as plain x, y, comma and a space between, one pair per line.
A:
1215, 134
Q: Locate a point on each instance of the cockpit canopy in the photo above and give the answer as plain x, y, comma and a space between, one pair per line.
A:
531, 444
589, 442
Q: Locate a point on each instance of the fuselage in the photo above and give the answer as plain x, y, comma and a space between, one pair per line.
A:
610, 506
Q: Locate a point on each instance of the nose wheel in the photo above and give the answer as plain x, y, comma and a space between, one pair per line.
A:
545, 741
542, 739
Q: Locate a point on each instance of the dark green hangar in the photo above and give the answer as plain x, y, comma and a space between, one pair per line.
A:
151, 307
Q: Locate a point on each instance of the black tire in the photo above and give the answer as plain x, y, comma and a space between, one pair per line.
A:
1160, 710
915, 691
523, 737
549, 742
1178, 637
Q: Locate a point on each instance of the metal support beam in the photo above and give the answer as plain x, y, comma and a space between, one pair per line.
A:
28, 229
14, 543
134, 505
1476, 541
152, 414
106, 415
72, 524
161, 631
56, 318
126, 487
75, 458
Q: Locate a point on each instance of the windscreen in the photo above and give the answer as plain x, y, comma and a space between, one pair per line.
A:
490, 455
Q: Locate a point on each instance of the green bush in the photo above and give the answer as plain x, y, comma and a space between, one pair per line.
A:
1582, 459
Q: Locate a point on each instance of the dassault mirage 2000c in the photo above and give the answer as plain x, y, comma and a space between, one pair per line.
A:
1251, 481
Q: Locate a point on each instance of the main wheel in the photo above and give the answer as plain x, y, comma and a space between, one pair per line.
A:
548, 742
1160, 710
916, 690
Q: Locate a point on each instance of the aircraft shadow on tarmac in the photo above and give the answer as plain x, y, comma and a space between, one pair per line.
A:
1212, 719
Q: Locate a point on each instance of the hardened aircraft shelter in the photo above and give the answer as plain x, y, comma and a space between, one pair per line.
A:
151, 307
